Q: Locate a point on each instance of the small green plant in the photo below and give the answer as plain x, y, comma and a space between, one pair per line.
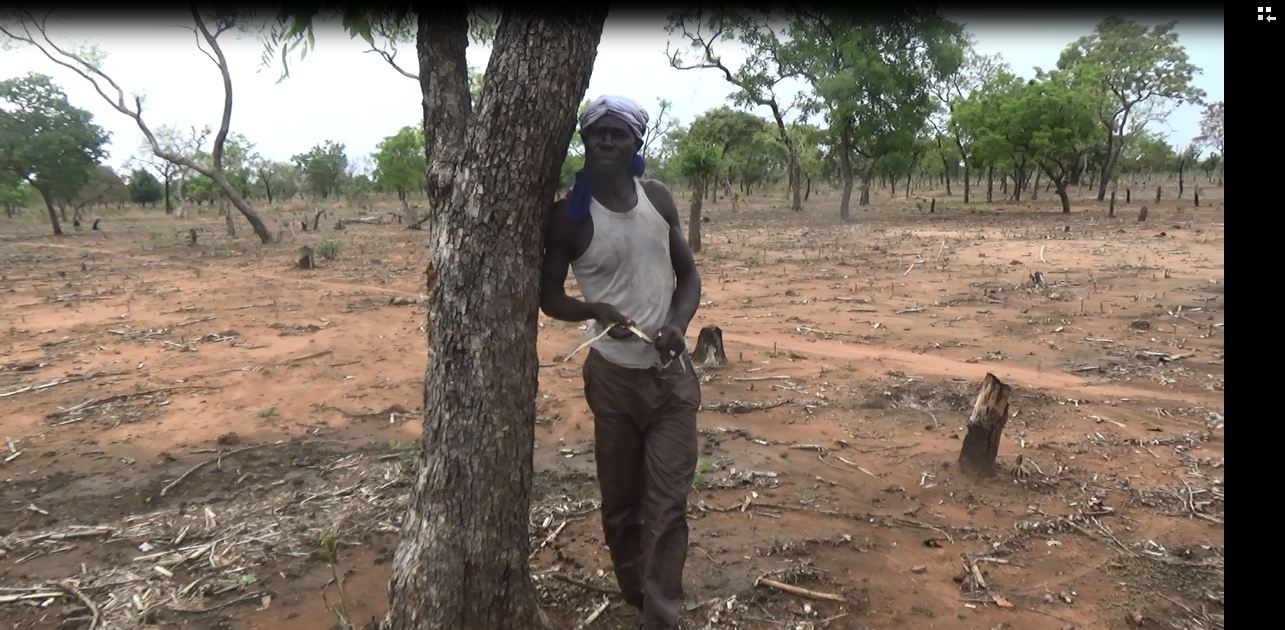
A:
268, 412
247, 580
328, 249
407, 455
703, 467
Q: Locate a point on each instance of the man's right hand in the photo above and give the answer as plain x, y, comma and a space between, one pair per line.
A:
607, 315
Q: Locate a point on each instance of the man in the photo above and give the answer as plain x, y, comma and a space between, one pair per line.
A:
621, 237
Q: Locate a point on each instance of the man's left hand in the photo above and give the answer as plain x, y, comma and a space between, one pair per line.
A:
670, 342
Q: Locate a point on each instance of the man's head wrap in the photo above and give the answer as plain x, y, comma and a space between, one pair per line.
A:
635, 117
623, 108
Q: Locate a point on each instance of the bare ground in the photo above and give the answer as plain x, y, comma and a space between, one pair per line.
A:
202, 436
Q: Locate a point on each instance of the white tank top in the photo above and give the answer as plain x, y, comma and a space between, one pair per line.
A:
627, 265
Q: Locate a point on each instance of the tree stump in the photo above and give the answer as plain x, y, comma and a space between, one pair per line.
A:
985, 426
1197, 196
1157, 194
709, 347
97, 220
191, 236
305, 258
1128, 196
1111, 208
316, 220
932, 206
1142, 214
303, 223
231, 227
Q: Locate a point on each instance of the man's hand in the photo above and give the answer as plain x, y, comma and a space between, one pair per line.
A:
607, 315
670, 342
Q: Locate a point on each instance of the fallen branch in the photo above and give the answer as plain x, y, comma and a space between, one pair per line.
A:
305, 357
243, 598
38, 594
62, 381
585, 585
794, 590
91, 404
207, 462
70, 587
596, 613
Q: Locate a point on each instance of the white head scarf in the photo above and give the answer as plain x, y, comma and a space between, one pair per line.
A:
621, 107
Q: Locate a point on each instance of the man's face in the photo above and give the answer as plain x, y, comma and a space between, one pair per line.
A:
609, 142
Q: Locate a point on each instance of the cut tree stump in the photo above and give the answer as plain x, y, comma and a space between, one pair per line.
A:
985, 426
227, 216
1142, 214
709, 347
1111, 210
316, 220
191, 236
305, 258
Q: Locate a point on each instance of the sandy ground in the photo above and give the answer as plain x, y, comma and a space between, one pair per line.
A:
222, 421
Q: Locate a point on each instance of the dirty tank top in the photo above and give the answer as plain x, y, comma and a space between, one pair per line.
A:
627, 265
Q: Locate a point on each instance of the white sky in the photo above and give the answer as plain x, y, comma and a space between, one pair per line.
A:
338, 93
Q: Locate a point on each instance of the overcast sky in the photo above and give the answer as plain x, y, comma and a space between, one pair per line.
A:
340, 93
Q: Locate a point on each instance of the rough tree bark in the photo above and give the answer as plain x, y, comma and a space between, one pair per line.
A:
462, 560
694, 219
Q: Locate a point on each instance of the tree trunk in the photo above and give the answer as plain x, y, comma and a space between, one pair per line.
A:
1060, 185
945, 171
267, 186
792, 158
1111, 208
865, 188
985, 426
1035, 186
845, 171
694, 221
806, 194
990, 184
53, 214
967, 183
169, 203
1182, 164
462, 562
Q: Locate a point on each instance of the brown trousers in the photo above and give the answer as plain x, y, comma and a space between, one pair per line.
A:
645, 448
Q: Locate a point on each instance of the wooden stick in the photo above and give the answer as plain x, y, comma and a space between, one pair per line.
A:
763, 378
70, 587
594, 617
39, 594
61, 381
306, 357
585, 585
1042, 255
207, 462
586, 344
801, 592
214, 608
